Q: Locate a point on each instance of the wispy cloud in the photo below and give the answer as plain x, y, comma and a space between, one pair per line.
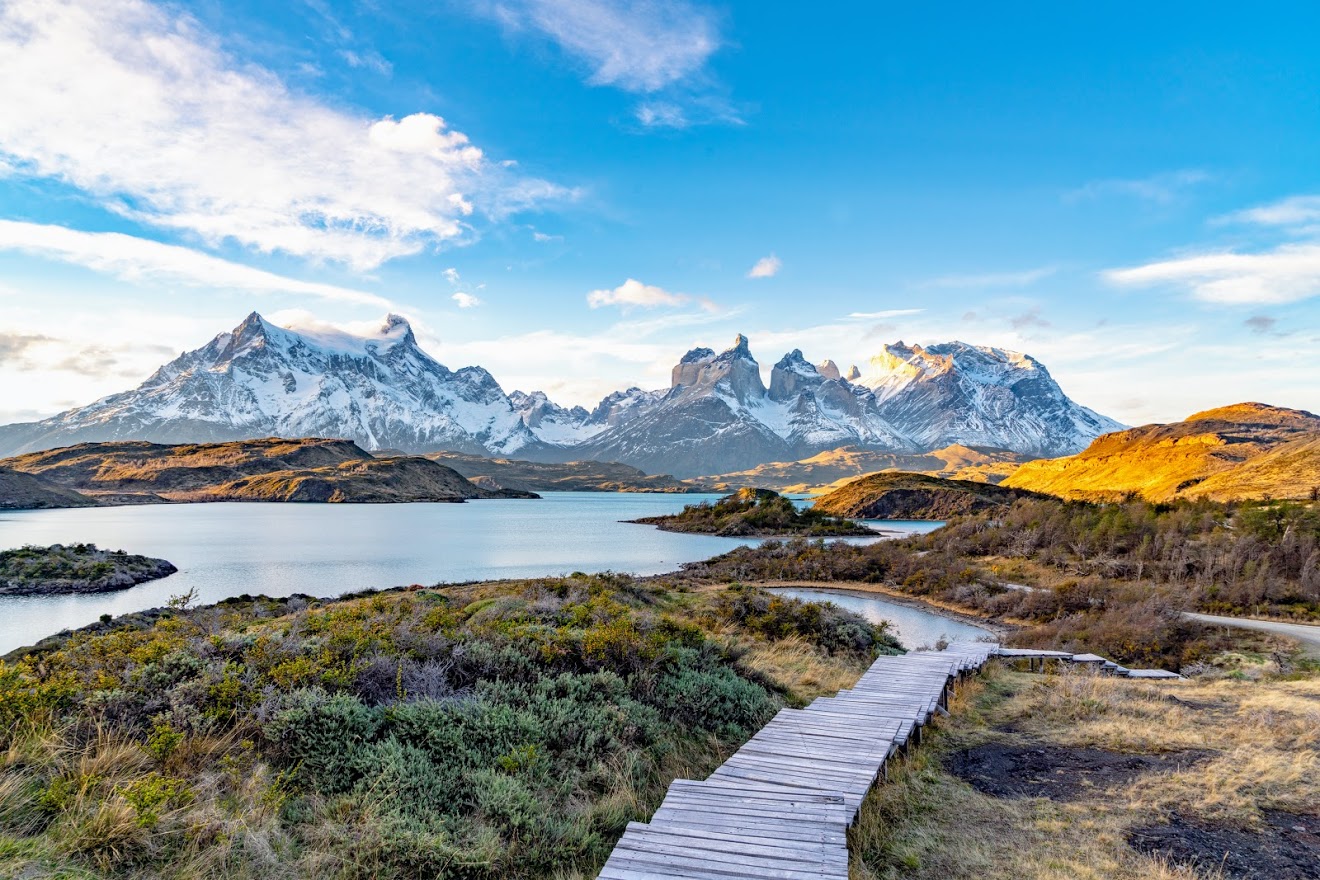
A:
992, 279
637, 45
1297, 214
883, 313
1287, 273
465, 300
634, 294
766, 267
138, 259
195, 140
656, 49
1160, 189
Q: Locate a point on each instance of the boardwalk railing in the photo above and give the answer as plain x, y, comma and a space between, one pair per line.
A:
780, 807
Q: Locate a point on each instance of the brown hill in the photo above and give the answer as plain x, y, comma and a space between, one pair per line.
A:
1247, 450
20, 491
312, 469
573, 476
913, 496
751, 512
835, 467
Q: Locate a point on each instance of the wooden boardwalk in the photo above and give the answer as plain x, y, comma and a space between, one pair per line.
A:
780, 807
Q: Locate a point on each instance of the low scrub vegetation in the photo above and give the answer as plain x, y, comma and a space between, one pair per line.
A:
1109, 578
501, 730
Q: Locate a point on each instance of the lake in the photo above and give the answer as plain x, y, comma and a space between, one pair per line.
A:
914, 627
227, 549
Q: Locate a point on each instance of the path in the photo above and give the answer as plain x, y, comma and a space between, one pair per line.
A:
1307, 634
780, 807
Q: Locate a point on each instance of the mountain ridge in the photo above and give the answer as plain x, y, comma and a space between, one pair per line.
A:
1245, 450
382, 391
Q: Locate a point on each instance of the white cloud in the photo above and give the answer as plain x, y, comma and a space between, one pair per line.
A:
766, 267
466, 300
138, 259
661, 114
1159, 189
636, 45
633, 293
1299, 213
451, 275
1287, 273
146, 112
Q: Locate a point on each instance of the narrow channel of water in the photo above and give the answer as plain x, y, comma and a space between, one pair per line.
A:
914, 627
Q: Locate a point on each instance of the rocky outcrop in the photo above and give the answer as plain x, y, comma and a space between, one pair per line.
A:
914, 496
76, 568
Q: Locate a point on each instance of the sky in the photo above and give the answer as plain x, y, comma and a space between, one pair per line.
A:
573, 193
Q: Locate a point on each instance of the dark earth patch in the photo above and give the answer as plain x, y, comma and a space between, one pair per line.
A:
1287, 849
1041, 770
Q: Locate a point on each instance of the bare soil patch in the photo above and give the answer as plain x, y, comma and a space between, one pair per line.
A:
1288, 848
1037, 769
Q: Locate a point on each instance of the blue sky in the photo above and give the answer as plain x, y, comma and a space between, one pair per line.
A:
574, 193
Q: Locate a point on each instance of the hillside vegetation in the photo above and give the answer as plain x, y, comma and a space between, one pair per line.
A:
1244, 451
1109, 578
76, 568
273, 469
572, 476
913, 496
835, 467
486, 731
20, 491
754, 513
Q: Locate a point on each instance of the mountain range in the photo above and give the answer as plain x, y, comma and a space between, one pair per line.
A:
382, 391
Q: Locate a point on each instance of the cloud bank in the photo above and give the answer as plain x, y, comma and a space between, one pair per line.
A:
208, 146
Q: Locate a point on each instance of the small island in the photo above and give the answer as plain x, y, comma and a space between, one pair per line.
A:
899, 495
62, 569
755, 513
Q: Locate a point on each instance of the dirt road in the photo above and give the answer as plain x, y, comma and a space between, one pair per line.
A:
1307, 634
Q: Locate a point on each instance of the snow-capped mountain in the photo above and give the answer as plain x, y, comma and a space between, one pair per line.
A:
718, 416
979, 396
379, 390
552, 423
383, 392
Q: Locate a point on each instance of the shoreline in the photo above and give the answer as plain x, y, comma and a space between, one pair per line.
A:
864, 588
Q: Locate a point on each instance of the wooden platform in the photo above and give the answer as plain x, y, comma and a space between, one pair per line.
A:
780, 807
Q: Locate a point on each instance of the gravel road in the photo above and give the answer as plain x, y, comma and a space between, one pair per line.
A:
1307, 634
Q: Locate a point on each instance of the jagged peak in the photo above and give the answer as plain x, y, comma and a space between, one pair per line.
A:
741, 348
853, 374
697, 355
829, 369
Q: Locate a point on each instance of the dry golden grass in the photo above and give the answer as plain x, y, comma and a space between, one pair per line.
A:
1260, 743
799, 668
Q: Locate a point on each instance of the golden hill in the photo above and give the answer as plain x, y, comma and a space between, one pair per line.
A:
273, 469
1247, 450
835, 467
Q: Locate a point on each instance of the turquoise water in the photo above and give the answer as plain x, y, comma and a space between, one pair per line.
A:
228, 549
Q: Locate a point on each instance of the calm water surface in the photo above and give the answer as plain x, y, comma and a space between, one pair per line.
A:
914, 627
227, 549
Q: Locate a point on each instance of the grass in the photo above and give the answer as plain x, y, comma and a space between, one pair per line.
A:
506, 730
1261, 745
